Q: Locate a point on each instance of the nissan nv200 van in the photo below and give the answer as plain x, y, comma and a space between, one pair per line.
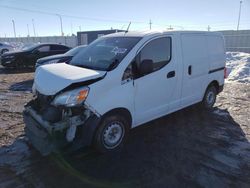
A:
121, 81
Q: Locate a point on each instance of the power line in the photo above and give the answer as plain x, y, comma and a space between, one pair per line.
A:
69, 16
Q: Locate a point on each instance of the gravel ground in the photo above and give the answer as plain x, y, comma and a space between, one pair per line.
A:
189, 148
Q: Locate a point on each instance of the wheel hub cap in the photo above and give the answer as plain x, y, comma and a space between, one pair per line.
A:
113, 135
210, 98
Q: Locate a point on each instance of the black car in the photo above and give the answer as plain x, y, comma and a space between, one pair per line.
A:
28, 56
61, 58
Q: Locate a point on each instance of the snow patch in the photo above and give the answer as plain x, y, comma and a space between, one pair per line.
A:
238, 67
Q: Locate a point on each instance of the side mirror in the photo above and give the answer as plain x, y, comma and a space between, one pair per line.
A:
146, 66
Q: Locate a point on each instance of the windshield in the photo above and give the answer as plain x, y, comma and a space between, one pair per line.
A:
104, 53
75, 50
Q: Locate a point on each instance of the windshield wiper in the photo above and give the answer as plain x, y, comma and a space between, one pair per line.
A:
83, 66
88, 67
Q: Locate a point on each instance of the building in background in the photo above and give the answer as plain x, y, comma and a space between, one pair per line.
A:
237, 41
86, 37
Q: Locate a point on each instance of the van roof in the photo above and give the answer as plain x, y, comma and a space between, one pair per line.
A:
156, 32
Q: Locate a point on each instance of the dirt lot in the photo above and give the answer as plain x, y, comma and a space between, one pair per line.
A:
189, 148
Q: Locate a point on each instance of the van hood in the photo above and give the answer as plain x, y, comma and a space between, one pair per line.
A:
52, 78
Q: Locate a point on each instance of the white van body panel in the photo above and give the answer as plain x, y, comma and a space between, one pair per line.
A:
195, 58
128, 82
216, 51
103, 99
52, 78
203, 52
160, 94
153, 96
111, 93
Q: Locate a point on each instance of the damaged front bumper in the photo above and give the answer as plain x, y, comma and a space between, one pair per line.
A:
48, 137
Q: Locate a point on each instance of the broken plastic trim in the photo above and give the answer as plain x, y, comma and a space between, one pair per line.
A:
48, 137
51, 127
80, 84
92, 109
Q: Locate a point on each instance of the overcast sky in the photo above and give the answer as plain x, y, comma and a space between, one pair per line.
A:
104, 14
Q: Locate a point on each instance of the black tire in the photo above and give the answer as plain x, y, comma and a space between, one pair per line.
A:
209, 98
105, 130
4, 50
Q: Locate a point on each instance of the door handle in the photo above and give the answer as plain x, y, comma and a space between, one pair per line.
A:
190, 69
171, 74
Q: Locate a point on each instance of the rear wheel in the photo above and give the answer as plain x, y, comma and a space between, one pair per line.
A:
111, 134
209, 97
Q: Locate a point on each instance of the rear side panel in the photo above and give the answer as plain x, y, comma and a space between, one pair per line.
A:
196, 66
217, 56
203, 57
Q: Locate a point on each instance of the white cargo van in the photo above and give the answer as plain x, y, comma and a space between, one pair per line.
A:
121, 81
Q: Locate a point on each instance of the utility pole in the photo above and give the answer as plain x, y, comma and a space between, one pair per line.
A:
208, 28
150, 24
80, 28
71, 27
60, 17
170, 27
14, 27
239, 17
34, 30
28, 29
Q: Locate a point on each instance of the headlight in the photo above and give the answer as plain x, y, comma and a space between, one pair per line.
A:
71, 98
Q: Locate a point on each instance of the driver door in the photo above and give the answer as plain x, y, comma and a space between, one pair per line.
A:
38, 53
157, 91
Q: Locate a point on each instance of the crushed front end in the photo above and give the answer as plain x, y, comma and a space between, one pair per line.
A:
50, 128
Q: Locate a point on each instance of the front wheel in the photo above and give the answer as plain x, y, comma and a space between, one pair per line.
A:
209, 97
111, 134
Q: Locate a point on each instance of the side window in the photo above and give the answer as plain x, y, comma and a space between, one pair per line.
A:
58, 48
44, 49
159, 51
128, 74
